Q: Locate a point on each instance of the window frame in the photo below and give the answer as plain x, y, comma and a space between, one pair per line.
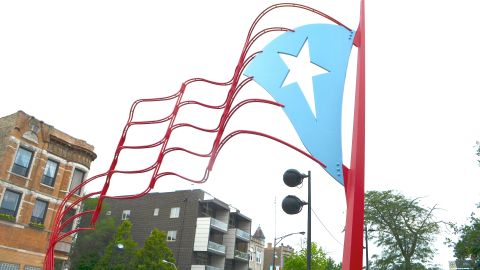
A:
39, 220
54, 174
175, 212
68, 227
128, 212
171, 236
17, 206
156, 211
84, 173
15, 165
258, 256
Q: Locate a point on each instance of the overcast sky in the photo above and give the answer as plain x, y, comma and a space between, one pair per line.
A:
78, 65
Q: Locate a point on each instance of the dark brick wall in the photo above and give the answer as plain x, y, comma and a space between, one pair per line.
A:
143, 220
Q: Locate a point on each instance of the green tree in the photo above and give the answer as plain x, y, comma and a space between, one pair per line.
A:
320, 261
402, 227
89, 245
119, 257
154, 251
477, 149
468, 244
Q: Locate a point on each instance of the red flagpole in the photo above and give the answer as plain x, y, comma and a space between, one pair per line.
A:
354, 184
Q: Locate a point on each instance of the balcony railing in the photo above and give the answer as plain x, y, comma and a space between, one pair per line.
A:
242, 235
208, 267
216, 248
241, 255
222, 226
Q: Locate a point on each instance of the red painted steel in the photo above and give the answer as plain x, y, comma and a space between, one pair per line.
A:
354, 184
235, 85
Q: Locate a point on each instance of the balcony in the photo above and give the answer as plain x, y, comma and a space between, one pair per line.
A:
205, 267
208, 267
242, 235
216, 248
243, 256
219, 225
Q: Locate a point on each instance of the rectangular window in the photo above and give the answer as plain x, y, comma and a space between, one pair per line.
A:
49, 173
175, 212
28, 267
125, 214
9, 266
171, 236
22, 162
39, 211
77, 179
10, 202
155, 211
68, 227
259, 257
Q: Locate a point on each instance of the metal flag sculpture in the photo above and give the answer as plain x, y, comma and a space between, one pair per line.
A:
313, 106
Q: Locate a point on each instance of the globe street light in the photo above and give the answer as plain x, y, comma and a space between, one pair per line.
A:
165, 261
275, 243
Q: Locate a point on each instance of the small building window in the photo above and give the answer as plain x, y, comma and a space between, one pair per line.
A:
39, 211
258, 258
125, 214
22, 162
77, 179
49, 173
108, 213
9, 266
175, 212
69, 226
10, 202
155, 211
171, 236
28, 267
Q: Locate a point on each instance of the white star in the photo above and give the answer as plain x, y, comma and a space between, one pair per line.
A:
302, 70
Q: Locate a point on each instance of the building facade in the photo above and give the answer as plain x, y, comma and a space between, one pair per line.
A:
203, 232
38, 166
257, 244
281, 253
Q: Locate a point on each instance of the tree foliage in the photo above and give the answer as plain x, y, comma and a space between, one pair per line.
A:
320, 261
89, 245
477, 150
402, 227
154, 251
119, 258
468, 244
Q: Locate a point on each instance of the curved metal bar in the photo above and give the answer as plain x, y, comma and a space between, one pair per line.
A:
228, 110
238, 132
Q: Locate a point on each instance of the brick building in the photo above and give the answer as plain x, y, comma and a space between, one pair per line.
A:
281, 253
38, 166
203, 232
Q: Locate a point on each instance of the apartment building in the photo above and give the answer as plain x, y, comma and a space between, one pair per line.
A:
39, 164
203, 232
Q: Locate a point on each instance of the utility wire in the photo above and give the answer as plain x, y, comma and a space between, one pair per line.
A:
326, 228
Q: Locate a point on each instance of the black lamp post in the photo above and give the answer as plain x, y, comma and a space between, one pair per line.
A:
277, 241
366, 246
293, 205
